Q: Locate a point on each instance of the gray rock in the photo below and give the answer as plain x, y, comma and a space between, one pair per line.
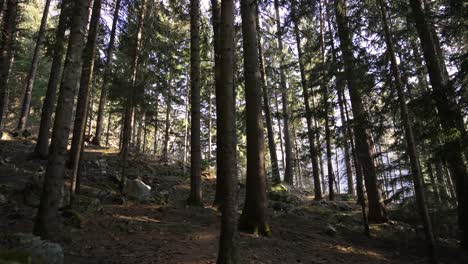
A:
41, 251
3, 199
330, 230
137, 189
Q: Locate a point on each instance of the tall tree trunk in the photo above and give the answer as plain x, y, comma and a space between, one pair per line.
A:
216, 21
42, 146
156, 126
109, 123
81, 112
449, 114
129, 103
186, 127
253, 218
409, 136
288, 172
107, 76
280, 134
47, 219
308, 112
168, 123
33, 70
226, 144
349, 170
6, 48
195, 197
377, 212
266, 107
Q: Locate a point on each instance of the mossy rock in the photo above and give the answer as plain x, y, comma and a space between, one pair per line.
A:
15, 257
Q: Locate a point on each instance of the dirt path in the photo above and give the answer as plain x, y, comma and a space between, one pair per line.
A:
107, 230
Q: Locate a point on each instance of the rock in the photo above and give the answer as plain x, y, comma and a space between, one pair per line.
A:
137, 189
41, 251
330, 230
3, 199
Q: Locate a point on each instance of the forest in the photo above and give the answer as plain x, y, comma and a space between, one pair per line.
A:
223, 131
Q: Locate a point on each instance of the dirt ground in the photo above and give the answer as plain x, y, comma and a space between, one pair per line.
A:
104, 228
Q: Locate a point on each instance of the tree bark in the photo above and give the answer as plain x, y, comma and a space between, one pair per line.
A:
449, 114
6, 48
377, 212
81, 112
195, 197
129, 103
47, 219
266, 107
288, 172
226, 150
409, 136
42, 146
253, 218
107, 76
33, 70
308, 112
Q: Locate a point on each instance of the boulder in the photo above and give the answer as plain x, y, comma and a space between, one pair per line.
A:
41, 251
137, 189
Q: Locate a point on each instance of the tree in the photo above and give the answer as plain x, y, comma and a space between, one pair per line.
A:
409, 136
6, 47
47, 219
226, 136
377, 211
107, 76
266, 107
195, 156
86, 80
288, 173
33, 70
448, 112
42, 146
253, 218
308, 110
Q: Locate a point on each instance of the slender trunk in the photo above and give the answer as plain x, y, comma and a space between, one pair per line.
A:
449, 114
349, 170
139, 130
156, 126
168, 124
186, 127
226, 135
409, 136
87, 71
195, 197
6, 48
42, 145
288, 172
107, 76
109, 123
47, 219
308, 112
129, 103
435, 190
377, 212
266, 107
144, 132
33, 70
216, 23
280, 134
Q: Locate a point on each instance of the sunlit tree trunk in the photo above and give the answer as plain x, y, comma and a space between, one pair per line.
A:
253, 218
226, 143
107, 76
47, 220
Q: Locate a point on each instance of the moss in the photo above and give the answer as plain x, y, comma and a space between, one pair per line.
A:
279, 188
15, 257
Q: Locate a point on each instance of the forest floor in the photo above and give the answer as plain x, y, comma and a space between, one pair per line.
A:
104, 228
